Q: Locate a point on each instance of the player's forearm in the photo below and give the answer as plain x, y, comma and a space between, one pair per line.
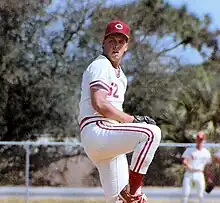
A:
186, 164
109, 111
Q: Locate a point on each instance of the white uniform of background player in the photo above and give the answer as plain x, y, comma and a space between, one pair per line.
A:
195, 160
107, 141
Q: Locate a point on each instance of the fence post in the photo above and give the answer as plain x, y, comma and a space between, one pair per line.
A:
27, 170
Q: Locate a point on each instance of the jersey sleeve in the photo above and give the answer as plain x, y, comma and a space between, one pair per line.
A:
98, 77
186, 153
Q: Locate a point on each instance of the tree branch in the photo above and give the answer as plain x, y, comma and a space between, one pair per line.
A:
185, 41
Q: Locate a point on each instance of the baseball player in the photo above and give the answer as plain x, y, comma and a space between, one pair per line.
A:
196, 160
108, 133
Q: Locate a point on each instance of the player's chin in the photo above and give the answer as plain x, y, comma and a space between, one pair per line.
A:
115, 57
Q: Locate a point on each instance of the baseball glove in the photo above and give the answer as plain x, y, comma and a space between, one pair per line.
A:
209, 186
144, 119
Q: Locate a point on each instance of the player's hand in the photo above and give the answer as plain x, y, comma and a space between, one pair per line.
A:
144, 119
189, 167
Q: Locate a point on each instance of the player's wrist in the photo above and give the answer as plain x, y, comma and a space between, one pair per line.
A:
130, 119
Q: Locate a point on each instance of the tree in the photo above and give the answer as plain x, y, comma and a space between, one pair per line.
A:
40, 81
40, 88
194, 105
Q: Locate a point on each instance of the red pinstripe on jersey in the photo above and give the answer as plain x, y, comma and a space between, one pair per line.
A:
99, 83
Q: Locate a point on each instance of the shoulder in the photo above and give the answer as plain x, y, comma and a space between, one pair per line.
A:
101, 63
206, 150
188, 151
206, 153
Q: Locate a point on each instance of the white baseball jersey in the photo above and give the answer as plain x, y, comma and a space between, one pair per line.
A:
106, 142
198, 159
101, 74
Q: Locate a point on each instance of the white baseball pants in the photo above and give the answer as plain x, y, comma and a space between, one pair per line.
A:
106, 144
198, 179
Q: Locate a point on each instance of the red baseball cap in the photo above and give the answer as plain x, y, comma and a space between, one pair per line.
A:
201, 135
117, 26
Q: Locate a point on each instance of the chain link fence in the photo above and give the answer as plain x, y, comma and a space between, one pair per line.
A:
166, 169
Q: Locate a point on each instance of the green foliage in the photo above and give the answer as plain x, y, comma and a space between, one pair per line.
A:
39, 88
194, 105
150, 18
166, 168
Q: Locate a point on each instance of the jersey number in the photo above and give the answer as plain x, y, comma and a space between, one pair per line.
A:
113, 90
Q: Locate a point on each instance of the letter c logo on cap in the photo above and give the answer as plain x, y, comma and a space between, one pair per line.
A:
119, 26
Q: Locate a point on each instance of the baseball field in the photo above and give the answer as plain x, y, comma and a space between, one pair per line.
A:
87, 201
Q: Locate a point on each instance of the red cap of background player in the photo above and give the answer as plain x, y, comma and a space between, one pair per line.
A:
117, 26
201, 135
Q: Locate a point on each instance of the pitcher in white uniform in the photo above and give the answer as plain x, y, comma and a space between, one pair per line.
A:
195, 160
108, 133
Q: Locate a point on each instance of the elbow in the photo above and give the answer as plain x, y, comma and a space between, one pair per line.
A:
100, 107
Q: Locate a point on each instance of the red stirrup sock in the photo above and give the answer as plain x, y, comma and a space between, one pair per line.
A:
135, 181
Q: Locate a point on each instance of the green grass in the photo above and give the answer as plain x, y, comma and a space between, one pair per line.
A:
86, 201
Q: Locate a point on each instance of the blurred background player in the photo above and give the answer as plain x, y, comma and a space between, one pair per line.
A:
196, 160
108, 133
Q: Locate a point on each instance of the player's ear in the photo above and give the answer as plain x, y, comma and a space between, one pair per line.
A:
103, 42
126, 47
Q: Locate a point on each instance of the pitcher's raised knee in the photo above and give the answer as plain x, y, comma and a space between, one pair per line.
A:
156, 131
